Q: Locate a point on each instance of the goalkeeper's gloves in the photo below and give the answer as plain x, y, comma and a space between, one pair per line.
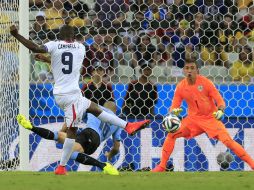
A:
176, 111
219, 115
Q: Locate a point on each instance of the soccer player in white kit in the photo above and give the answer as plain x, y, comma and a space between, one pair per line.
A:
66, 61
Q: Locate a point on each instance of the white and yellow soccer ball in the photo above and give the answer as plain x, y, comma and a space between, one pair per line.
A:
171, 123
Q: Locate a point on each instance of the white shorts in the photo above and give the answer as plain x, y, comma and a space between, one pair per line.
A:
74, 106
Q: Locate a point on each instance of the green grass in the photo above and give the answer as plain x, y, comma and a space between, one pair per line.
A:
127, 181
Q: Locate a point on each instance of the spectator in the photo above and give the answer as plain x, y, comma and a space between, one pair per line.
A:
139, 5
214, 55
145, 52
247, 23
243, 4
213, 10
77, 13
55, 15
125, 53
198, 25
110, 13
154, 15
228, 33
97, 52
243, 69
76, 8
138, 21
141, 95
35, 4
183, 42
39, 30
110, 40
96, 90
242, 7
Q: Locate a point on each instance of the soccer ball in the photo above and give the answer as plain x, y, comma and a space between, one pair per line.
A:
171, 123
224, 159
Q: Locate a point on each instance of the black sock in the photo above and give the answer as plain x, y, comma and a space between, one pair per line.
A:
88, 160
44, 133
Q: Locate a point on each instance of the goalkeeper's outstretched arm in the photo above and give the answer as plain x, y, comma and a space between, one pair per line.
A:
27, 43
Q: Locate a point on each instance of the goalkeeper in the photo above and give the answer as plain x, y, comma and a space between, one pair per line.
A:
87, 141
205, 112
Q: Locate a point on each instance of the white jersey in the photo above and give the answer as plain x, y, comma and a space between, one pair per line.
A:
66, 62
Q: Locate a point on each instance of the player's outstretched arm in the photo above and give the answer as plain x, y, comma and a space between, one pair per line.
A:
41, 57
113, 151
27, 43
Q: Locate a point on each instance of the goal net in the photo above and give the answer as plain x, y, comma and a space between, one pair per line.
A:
9, 153
132, 41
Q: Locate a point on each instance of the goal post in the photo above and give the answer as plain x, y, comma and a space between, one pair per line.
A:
24, 65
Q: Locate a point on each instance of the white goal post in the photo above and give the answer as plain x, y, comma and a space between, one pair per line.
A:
24, 64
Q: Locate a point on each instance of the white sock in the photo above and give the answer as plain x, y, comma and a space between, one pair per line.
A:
112, 119
67, 151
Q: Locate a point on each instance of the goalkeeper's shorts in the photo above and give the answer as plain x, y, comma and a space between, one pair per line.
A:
194, 126
89, 139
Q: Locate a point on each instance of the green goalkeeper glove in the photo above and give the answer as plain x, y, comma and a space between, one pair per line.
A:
176, 111
219, 115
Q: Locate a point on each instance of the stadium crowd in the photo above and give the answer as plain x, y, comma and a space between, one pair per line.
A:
124, 35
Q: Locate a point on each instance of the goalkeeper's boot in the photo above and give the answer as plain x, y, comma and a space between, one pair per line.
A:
109, 169
24, 122
134, 127
158, 168
61, 170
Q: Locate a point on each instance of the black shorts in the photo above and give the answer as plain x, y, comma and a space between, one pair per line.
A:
89, 139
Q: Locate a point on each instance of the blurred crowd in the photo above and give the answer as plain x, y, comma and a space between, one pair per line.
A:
139, 43
123, 35
161, 33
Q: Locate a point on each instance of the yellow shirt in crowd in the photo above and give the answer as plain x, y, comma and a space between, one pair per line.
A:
242, 72
242, 4
209, 57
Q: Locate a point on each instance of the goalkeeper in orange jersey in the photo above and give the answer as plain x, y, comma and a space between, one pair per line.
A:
205, 110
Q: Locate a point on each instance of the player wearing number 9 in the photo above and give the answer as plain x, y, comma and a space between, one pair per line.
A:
67, 56
205, 110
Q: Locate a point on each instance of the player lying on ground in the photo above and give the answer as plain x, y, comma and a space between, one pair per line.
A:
205, 112
67, 56
87, 141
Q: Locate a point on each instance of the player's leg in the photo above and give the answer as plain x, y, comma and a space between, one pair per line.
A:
168, 147
236, 148
87, 142
44, 133
188, 129
130, 128
88, 160
71, 106
216, 129
68, 146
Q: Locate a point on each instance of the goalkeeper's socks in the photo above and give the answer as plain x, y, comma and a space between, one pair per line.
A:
45, 133
87, 160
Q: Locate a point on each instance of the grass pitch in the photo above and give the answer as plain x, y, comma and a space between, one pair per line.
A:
127, 181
